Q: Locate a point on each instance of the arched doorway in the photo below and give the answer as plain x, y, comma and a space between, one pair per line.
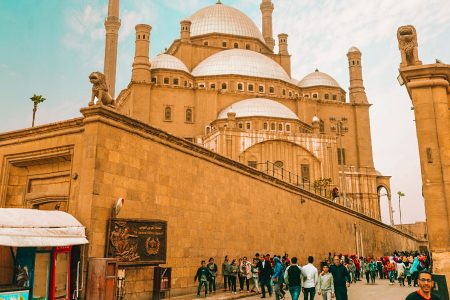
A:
384, 202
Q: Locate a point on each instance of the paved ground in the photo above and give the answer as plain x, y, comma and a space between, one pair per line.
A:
359, 291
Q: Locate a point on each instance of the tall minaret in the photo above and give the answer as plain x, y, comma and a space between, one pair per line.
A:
357, 91
266, 10
112, 25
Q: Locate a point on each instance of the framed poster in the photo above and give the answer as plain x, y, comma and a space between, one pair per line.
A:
136, 241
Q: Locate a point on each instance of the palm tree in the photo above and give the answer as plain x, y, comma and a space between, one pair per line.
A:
36, 100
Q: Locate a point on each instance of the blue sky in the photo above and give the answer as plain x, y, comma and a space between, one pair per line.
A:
49, 47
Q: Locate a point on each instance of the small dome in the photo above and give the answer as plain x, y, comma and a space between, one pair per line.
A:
353, 49
241, 62
166, 61
318, 78
258, 107
220, 18
315, 119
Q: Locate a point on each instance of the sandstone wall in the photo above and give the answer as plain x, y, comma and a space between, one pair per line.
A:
214, 206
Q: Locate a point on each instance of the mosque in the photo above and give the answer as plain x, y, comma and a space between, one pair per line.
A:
224, 86
214, 148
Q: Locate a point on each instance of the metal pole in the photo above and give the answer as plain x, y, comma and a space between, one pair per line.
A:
400, 208
391, 213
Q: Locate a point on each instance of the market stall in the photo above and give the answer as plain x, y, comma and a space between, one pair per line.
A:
44, 248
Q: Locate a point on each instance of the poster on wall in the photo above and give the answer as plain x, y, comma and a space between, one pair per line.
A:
135, 241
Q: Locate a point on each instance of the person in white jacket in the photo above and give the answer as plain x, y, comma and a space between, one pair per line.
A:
310, 278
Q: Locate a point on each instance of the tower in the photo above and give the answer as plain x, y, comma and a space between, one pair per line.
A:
266, 10
141, 63
112, 25
357, 91
185, 30
282, 44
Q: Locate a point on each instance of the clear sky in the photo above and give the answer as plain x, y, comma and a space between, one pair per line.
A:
50, 47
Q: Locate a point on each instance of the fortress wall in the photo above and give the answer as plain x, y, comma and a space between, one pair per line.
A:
214, 206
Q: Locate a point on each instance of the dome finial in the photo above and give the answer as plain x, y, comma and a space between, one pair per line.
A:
219, 2
317, 70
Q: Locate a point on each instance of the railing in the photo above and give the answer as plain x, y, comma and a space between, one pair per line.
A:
278, 172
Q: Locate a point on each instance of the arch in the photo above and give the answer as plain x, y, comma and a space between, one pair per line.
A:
384, 204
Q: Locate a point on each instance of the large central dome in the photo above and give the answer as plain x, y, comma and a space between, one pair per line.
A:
241, 62
220, 18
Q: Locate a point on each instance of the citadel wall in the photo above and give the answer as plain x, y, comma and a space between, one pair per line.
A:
214, 206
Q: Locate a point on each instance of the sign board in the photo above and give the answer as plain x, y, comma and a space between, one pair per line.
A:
17, 295
135, 241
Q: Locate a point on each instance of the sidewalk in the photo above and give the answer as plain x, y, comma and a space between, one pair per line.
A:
218, 295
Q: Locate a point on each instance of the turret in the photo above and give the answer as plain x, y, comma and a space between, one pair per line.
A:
141, 63
185, 30
112, 25
267, 10
357, 91
283, 44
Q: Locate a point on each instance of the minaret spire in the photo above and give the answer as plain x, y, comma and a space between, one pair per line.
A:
357, 91
112, 25
267, 10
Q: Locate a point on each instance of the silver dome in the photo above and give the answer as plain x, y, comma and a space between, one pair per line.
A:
166, 61
353, 49
220, 18
318, 79
258, 107
241, 62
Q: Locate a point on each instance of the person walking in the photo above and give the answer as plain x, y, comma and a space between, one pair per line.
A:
426, 283
391, 272
373, 271
226, 279
341, 279
380, 267
408, 272
203, 275
366, 270
325, 284
265, 273
255, 274
293, 278
401, 272
212, 267
310, 279
415, 270
352, 270
245, 273
277, 278
233, 270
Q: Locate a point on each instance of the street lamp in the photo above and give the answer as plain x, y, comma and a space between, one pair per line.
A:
400, 194
338, 127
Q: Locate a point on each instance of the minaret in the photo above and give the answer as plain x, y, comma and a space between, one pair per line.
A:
283, 44
141, 63
185, 30
357, 91
266, 10
112, 25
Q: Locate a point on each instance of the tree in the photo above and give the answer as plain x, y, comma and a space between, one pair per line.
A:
36, 100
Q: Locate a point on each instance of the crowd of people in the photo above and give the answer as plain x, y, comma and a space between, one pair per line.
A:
278, 274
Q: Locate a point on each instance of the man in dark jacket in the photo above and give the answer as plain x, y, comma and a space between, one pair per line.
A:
266, 271
293, 278
341, 279
203, 276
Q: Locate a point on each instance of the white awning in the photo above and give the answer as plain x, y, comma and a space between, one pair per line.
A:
22, 227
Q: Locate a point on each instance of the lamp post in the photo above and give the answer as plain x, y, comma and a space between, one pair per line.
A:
400, 194
338, 127
391, 211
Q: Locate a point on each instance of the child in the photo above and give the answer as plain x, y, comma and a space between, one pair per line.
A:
373, 271
326, 284
408, 272
203, 276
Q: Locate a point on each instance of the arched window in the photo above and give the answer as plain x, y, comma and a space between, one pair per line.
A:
321, 126
250, 87
247, 46
167, 113
288, 127
265, 126
189, 117
224, 86
240, 87
236, 45
272, 90
280, 127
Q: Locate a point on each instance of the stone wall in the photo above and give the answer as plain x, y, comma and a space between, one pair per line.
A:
214, 206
